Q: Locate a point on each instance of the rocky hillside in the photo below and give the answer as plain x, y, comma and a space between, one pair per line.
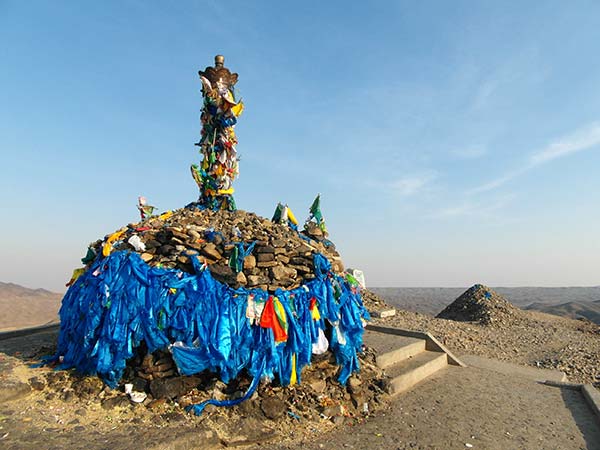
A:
23, 307
573, 310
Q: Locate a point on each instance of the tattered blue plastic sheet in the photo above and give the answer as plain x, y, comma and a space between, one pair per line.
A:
121, 301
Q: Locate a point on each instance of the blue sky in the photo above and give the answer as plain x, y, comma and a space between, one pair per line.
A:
452, 142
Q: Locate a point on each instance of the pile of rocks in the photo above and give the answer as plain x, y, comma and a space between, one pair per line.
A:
482, 305
318, 397
281, 257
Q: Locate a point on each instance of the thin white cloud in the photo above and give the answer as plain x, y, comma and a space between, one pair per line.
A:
584, 138
412, 184
497, 182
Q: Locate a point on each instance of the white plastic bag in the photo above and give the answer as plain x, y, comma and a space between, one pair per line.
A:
322, 344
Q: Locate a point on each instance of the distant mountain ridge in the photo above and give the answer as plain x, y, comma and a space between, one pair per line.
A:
573, 310
24, 307
21, 291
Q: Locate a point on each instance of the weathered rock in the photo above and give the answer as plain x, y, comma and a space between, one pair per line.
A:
279, 272
119, 401
249, 262
172, 387
273, 408
211, 251
278, 243
146, 257
255, 280
87, 387
12, 389
263, 257
241, 278
318, 385
222, 273
211, 236
37, 383
267, 264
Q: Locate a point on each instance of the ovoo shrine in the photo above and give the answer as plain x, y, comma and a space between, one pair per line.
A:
212, 287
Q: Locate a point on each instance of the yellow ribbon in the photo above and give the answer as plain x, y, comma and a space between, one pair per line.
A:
107, 247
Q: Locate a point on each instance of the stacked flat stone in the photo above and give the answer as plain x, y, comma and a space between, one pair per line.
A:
281, 257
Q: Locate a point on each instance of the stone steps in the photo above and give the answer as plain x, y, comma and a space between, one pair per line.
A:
405, 359
405, 374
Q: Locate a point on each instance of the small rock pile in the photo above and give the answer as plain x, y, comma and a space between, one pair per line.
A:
482, 305
281, 257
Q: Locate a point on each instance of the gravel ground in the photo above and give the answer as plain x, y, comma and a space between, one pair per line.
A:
522, 337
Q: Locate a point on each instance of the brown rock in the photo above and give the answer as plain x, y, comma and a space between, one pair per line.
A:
115, 402
337, 266
211, 251
255, 280
249, 262
262, 257
241, 278
265, 249
283, 259
222, 273
267, 264
193, 235
302, 269
318, 386
157, 403
146, 257
273, 408
37, 383
281, 272
173, 387
152, 243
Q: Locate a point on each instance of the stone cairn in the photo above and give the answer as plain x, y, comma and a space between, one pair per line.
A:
480, 304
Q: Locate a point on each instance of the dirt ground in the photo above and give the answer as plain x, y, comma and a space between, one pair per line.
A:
460, 408
456, 408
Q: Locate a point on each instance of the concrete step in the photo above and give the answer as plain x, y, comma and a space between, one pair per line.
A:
392, 349
409, 372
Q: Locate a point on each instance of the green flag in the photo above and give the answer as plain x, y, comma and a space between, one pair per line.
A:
315, 211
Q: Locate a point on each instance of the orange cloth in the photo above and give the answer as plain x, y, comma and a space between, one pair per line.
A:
269, 320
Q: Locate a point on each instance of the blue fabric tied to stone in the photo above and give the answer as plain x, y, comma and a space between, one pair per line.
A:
121, 301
